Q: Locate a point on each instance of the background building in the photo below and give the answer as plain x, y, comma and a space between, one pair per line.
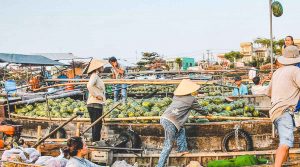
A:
186, 63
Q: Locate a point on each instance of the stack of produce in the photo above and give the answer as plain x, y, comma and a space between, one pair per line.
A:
212, 89
139, 108
218, 106
66, 107
59, 108
151, 88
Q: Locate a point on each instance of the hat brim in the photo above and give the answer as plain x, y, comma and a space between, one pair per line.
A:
288, 61
180, 92
95, 64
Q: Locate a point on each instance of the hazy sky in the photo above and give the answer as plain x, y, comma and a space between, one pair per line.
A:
125, 28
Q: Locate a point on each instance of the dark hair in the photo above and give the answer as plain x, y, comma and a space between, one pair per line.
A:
74, 144
112, 59
237, 78
291, 39
256, 80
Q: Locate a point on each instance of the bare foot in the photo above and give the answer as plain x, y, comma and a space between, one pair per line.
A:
183, 153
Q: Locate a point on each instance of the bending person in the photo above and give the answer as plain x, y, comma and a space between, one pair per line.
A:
175, 117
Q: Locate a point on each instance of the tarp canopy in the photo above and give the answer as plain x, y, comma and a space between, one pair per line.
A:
28, 59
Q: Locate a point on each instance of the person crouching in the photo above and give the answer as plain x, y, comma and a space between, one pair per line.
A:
175, 117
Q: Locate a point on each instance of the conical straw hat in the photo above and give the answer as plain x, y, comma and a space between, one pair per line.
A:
186, 87
95, 64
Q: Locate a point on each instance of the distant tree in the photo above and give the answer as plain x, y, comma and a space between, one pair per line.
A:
178, 61
265, 42
148, 58
233, 55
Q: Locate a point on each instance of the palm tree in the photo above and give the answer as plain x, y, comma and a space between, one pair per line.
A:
179, 62
263, 42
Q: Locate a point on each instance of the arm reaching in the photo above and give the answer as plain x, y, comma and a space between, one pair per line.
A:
199, 108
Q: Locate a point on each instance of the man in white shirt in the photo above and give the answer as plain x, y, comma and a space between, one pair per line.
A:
258, 88
252, 73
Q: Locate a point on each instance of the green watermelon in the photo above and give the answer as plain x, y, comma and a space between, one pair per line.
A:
277, 9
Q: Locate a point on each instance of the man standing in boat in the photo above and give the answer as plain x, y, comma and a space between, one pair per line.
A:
118, 73
284, 91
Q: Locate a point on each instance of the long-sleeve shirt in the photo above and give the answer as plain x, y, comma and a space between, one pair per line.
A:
96, 88
284, 90
178, 111
259, 89
80, 162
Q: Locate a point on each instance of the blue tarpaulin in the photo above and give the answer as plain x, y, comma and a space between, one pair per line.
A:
28, 59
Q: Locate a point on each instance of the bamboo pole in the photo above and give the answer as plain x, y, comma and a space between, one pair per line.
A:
131, 81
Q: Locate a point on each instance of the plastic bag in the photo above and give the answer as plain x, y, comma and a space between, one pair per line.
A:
26, 155
49, 161
42, 160
123, 164
57, 162
14, 155
33, 154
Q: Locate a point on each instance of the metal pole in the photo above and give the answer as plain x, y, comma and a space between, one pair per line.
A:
271, 35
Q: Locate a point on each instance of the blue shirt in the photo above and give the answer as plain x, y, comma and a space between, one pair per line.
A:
298, 105
243, 90
80, 162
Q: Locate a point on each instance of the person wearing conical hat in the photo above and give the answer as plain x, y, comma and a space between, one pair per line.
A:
96, 96
175, 117
284, 90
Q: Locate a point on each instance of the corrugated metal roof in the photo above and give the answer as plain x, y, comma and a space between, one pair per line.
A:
27, 59
59, 56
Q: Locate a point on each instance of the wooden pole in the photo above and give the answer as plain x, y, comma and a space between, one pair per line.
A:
55, 130
77, 129
39, 136
99, 119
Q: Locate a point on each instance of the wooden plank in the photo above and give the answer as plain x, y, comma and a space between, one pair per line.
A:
39, 136
193, 117
212, 154
42, 119
189, 124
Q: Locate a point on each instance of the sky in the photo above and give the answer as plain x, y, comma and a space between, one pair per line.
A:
126, 28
